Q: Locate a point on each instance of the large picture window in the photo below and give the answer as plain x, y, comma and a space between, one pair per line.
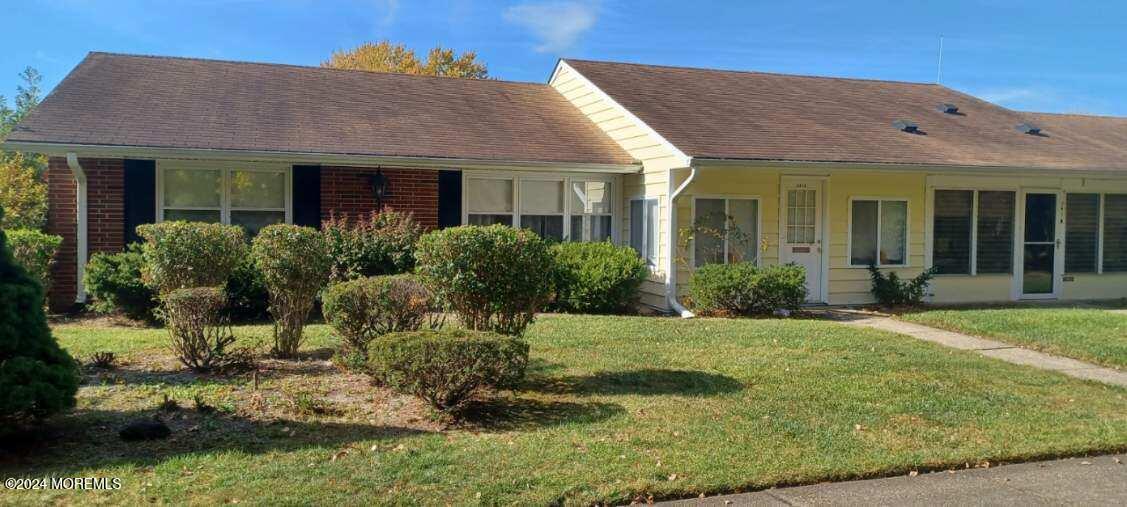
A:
563, 208
973, 231
725, 230
643, 229
249, 197
878, 232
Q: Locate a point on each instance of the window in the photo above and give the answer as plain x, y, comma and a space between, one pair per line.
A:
801, 216
1115, 233
249, 197
973, 231
725, 230
561, 208
878, 232
1082, 233
643, 228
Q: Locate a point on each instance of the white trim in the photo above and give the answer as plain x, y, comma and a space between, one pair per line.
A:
562, 64
81, 206
566, 179
938, 169
880, 215
727, 198
225, 170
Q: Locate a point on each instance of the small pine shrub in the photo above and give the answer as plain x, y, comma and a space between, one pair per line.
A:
294, 263
37, 377
183, 255
448, 368
742, 288
891, 290
114, 281
494, 278
381, 243
364, 309
35, 251
597, 277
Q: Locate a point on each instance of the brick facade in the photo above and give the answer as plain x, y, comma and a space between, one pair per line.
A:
105, 230
349, 190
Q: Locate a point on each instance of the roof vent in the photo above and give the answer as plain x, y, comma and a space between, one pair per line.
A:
1028, 128
948, 108
906, 126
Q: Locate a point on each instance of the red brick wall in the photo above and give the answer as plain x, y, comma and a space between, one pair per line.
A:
105, 215
349, 190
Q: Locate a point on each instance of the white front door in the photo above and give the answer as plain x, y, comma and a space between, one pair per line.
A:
801, 236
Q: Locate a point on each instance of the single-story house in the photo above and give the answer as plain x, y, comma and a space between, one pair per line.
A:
688, 166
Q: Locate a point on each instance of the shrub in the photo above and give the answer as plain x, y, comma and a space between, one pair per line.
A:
35, 251
378, 244
597, 277
294, 263
362, 310
494, 278
448, 368
891, 290
742, 288
37, 377
114, 280
23, 194
181, 255
199, 333
247, 297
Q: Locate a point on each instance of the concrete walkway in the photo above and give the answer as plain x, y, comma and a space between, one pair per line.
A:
989, 348
1078, 481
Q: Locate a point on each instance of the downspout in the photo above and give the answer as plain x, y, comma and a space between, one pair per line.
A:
671, 265
80, 248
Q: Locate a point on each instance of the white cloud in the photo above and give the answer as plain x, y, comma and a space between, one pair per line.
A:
389, 8
1004, 96
556, 24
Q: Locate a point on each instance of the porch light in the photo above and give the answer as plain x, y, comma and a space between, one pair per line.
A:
381, 187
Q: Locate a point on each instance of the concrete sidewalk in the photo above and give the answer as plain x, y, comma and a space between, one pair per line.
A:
989, 348
1093, 481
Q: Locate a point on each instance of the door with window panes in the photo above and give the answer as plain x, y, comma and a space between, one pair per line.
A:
802, 232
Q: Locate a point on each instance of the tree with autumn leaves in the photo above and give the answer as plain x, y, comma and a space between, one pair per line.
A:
398, 58
23, 193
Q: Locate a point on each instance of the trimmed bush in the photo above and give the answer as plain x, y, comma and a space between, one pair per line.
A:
247, 297
294, 263
742, 288
380, 243
891, 290
494, 278
35, 251
362, 310
114, 280
199, 333
37, 377
597, 277
447, 368
182, 255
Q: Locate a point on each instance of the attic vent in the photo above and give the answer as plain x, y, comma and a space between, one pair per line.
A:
1028, 128
906, 126
948, 108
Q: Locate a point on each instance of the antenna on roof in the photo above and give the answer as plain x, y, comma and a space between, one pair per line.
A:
939, 67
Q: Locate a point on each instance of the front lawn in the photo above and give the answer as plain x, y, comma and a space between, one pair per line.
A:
614, 408
1098, 336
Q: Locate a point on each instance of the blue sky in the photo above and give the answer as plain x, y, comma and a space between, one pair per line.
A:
1062, 56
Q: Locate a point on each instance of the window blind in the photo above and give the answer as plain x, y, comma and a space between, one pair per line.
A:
951, 231
1082, 233
994, 251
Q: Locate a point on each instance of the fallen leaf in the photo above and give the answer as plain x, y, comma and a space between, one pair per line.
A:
672, 477
913, 473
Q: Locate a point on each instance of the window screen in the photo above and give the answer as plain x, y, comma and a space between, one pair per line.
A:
1082, 233
951, 231
863, 236
1115, 232
994, 251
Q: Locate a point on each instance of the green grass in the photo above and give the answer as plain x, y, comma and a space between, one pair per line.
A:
1099, 336
614, 407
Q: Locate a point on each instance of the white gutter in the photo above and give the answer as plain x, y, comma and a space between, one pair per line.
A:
671, 265
80, 197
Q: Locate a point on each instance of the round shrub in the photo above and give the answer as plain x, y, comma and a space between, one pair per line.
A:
447, 368
597, 277
362, 310
199, 333
37, 377
35, 251
294, 263
181, 255
494, 278
114, 280
382, 243
742, 288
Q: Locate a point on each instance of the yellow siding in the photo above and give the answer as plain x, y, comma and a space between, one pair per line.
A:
1092, 286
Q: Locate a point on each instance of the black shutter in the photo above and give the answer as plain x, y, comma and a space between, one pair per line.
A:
449, 199
140, 196
307, 195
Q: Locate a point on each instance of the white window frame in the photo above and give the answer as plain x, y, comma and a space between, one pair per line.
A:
880, 214
727, 212
587, 218
565, 178
646, 218
225, 168
973, 228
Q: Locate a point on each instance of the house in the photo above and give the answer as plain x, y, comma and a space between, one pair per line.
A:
832, 174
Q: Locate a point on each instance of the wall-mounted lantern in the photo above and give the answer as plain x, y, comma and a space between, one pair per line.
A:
381, 187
